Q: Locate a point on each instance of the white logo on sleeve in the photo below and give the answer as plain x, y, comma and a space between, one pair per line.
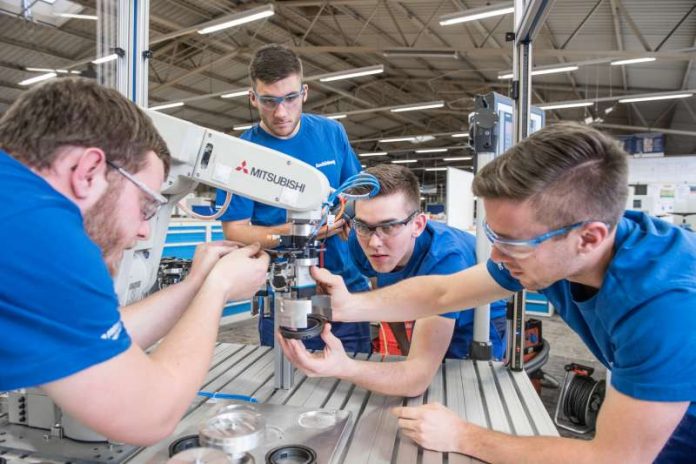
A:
114, 332
325, 163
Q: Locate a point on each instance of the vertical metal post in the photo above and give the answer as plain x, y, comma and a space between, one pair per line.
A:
522, 89
529, 18
134, 37
284, 371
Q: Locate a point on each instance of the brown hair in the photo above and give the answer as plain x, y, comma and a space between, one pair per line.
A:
568, 172
78, 112
394, 179
274, 62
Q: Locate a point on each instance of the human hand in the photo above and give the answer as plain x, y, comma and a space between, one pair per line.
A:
331, 362
205, 257
432, 426
240, 273
333, 285
337, 227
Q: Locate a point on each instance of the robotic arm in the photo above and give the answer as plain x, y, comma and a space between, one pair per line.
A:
201, 155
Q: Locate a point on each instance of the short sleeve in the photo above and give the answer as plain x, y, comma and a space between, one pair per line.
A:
654, 356
351, 165
58, 310
502, 276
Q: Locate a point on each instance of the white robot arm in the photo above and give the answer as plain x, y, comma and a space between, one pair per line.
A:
201, 155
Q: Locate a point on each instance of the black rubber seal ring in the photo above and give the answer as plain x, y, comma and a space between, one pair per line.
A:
315, 324
183, 443
300, 454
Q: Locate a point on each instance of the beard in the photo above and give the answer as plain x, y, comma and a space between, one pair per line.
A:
102, 226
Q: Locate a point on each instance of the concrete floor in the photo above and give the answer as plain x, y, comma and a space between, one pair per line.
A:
566, 347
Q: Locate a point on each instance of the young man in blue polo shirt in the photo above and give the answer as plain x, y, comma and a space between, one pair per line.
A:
391, 240
278, 93
80, 171
625, 282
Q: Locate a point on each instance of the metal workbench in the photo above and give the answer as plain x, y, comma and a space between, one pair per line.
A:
485, 393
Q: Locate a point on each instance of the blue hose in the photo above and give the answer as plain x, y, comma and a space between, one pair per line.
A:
227, 396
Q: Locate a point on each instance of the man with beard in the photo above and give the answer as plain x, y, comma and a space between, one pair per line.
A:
624, 281
70, 149
278, 93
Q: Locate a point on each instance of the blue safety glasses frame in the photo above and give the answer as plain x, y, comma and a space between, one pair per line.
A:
270, 102
523, 248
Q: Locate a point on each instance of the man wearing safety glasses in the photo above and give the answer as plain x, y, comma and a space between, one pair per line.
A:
80, 172
624, 281
391, 240
277, 92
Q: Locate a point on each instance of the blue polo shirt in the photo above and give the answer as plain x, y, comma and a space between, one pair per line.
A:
322, 143
439, 250
58, 309
641, 323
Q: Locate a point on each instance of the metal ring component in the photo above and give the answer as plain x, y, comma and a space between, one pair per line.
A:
315, 324
235, 429
291, 454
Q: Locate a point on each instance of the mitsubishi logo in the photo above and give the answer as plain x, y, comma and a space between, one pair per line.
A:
242, 167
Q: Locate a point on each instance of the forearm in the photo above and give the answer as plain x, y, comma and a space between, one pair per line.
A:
247, 233
424, 296
150, 319
400, 378
186, 351
497, 447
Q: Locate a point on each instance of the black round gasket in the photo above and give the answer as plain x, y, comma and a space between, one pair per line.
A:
315, 324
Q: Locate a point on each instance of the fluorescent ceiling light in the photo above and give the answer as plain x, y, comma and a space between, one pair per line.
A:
432, 150
557, 106
377, 153
409, 138
40, 78
337, 116
240, 18
351, 73
404, 161
655, 97
243, 127
399, 139
166, 106
418, 106
633, 61
78, 16
235, 93
47, 70
460, 135
105, 59
420, 53
542, 71
457, 158
474, 14
435, 169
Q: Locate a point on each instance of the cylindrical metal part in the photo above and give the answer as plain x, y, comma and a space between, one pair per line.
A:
235, 429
